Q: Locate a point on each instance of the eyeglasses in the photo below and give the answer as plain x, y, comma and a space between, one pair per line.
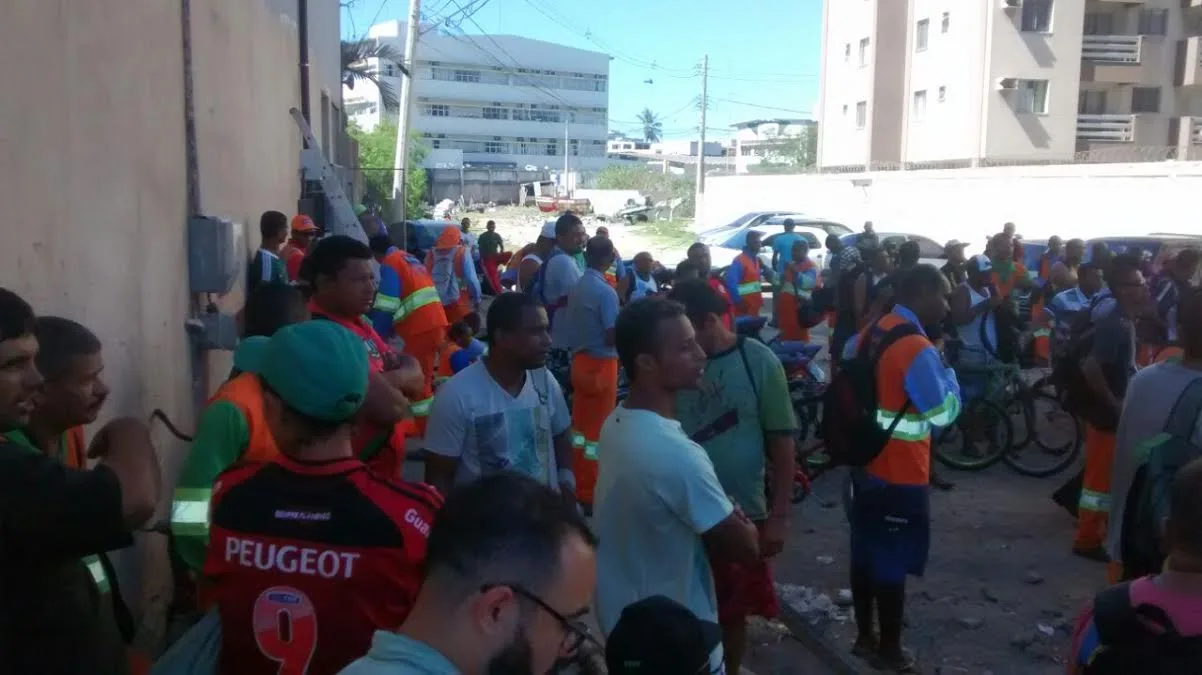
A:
576, 632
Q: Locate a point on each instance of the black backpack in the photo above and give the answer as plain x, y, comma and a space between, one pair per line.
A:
1139, 639
1079, 396
849, 406
1160, 458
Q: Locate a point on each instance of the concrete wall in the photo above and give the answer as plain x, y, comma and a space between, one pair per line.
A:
93, 178
970, 204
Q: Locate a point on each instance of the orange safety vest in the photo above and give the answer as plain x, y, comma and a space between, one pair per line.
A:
1005, 288
418, 308
246, 393
750, 285
292, 257
906, 458
462, 305
443, 372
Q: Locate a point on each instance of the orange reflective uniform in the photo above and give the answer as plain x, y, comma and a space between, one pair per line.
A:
594, 396
245, 391
797, 287
751, 291
1042, 344
444, 370
420, 321
1172, 353
449, 239
1093, 511
1005, 284
292, 257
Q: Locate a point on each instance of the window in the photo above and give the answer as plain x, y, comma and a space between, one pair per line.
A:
928, 248
1032, 96
1153, 21
921, 34
467, 76
552, 148
1037, 16
942, 94
847, 53
438, 110
494, 147
495, 114
1091, 103
861, 114
1145, 100
1099, 24
919, 110
863, 52
946, 23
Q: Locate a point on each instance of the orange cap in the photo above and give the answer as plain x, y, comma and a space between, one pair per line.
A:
303, 223
449, 238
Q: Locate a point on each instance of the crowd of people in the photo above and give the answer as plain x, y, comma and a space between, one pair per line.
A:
300, 546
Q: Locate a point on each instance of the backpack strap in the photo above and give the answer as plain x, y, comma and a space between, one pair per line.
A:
750, 376
1184, 416
1113, 615
902, 330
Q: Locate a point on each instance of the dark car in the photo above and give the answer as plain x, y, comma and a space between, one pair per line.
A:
1155, 248
418, 236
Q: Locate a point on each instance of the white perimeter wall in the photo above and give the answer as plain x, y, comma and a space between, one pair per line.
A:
970, 204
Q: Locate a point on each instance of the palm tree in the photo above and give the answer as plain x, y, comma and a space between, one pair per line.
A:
355, 67
652, 127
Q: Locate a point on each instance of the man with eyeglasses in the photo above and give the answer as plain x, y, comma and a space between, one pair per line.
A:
510, 574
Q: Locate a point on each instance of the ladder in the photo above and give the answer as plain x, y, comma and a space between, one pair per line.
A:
345, 221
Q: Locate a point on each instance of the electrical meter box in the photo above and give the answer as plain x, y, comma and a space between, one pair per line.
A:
213, 260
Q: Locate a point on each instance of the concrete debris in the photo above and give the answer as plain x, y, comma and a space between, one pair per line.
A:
814, 606
1033, 578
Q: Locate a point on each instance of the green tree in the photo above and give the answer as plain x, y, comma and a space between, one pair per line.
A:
659, 186
653, 128
356, 70
377, 150
791, 154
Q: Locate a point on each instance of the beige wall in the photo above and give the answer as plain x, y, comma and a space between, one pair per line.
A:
92, 168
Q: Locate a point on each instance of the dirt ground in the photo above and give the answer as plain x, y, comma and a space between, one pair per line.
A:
1001, 589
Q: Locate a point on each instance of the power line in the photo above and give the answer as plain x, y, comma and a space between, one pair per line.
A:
763, 107
378, 11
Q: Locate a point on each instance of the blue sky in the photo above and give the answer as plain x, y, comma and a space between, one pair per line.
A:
765, 55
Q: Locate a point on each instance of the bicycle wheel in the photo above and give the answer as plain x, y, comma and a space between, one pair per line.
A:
1056, 435
807, 408
979, 438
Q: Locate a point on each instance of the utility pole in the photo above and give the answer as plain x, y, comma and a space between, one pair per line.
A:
705, 73
401, 160
566, 191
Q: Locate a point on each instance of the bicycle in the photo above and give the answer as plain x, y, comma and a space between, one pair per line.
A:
1048, 438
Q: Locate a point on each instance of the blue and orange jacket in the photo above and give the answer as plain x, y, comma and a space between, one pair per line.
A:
910, 369
743, 278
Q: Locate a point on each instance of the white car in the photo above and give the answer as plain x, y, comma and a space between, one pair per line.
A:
724, 251
930, 252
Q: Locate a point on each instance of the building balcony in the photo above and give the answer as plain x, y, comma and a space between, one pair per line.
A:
1189, 62
1114, 59
1106, 128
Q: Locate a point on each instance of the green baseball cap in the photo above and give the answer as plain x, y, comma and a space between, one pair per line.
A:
318, 368
249, 354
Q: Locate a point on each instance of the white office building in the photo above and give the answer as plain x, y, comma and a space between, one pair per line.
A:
502, 100
967, 82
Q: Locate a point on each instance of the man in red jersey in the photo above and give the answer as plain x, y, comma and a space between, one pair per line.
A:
309, 554
340, 276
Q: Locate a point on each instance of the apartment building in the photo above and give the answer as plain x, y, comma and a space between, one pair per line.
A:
964, 82
501, 100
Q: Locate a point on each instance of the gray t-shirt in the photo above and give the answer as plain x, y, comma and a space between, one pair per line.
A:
1114, 349
592, 310
1146, 409
561, 276
477, 421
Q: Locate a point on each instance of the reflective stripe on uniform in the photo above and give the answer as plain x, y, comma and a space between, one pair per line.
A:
750, 287
415, 301
1099, 502
1042, 332
945, 413
96, 569
788, 289
421, 408
909, 427
190, 511
386, 303
588, 447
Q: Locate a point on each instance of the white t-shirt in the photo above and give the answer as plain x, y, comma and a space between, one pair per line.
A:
656, 495
474, 419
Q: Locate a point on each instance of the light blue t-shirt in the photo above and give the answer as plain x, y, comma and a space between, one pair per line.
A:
656, 495
782, 246
592, 310
395, 654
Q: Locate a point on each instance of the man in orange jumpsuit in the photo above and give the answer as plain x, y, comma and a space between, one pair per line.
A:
453, 275
303, 231
418, 316
743, 280
797, 286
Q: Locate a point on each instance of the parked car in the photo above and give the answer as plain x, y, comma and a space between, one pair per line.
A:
1157, 247
420, 235
930, 252
724, 251
746, 220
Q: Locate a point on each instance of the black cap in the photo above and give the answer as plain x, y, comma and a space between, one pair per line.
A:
659, 636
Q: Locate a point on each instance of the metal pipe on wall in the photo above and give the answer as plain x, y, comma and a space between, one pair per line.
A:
302, 13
